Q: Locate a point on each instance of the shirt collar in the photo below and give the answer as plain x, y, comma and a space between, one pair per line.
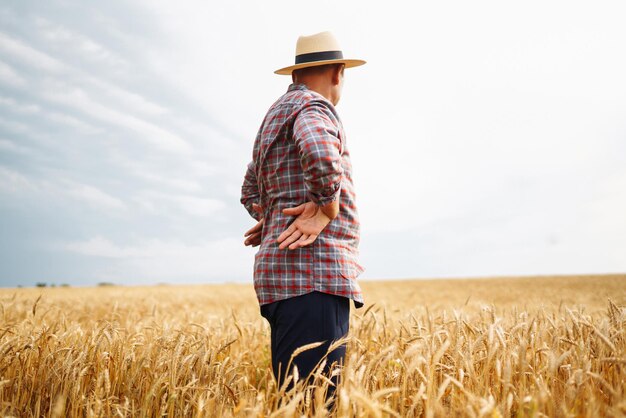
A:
297, 86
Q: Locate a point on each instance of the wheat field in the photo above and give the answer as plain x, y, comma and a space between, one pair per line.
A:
499, 347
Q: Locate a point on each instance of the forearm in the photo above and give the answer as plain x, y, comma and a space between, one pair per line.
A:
317, 135
250, 192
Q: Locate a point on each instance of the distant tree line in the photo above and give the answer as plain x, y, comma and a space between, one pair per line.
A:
44, 284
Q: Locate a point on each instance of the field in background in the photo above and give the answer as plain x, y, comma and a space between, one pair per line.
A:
539, 346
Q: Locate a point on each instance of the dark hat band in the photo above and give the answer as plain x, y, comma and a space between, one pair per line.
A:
319, 56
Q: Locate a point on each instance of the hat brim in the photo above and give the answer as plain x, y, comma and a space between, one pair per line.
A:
291, 68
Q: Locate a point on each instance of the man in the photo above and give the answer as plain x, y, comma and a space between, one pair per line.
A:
299, 189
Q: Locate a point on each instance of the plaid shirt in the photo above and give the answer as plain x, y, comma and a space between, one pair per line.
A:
299, 155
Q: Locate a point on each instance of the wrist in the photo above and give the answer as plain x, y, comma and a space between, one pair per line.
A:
330, 210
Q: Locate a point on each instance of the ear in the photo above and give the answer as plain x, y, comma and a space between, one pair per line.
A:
337, 73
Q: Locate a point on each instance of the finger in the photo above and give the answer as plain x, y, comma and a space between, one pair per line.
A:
256, 242
307, 241
294, 211
254, 239
286, 233
251, 231
296, 244
292, 238
250, 237
257, 227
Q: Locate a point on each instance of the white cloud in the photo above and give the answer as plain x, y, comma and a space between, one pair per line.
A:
187, 204
31, 109
181, 178
101, 247
114, 104
86, 48
198, 206
16, 183
70, 121
81, 45
93, 196
11, 146
184, 184
9, 76
127, 100
29, 55
13, 181
16, 127
148, 132
12, 104
156, 260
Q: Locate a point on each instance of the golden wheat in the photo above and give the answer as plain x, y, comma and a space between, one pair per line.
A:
551, 346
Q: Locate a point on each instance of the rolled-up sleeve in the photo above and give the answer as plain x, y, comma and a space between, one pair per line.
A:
316, 134
250, 191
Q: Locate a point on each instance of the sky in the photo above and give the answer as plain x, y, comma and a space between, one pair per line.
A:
488, 138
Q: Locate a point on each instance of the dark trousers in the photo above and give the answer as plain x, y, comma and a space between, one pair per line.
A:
302, 320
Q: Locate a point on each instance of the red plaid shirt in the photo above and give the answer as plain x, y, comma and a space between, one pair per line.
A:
299, 155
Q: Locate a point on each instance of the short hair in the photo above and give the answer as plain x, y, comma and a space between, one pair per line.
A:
317, 69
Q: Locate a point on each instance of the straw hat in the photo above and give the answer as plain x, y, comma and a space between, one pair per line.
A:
319, 49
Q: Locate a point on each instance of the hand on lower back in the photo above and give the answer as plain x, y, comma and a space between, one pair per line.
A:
255, 234
304, 230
